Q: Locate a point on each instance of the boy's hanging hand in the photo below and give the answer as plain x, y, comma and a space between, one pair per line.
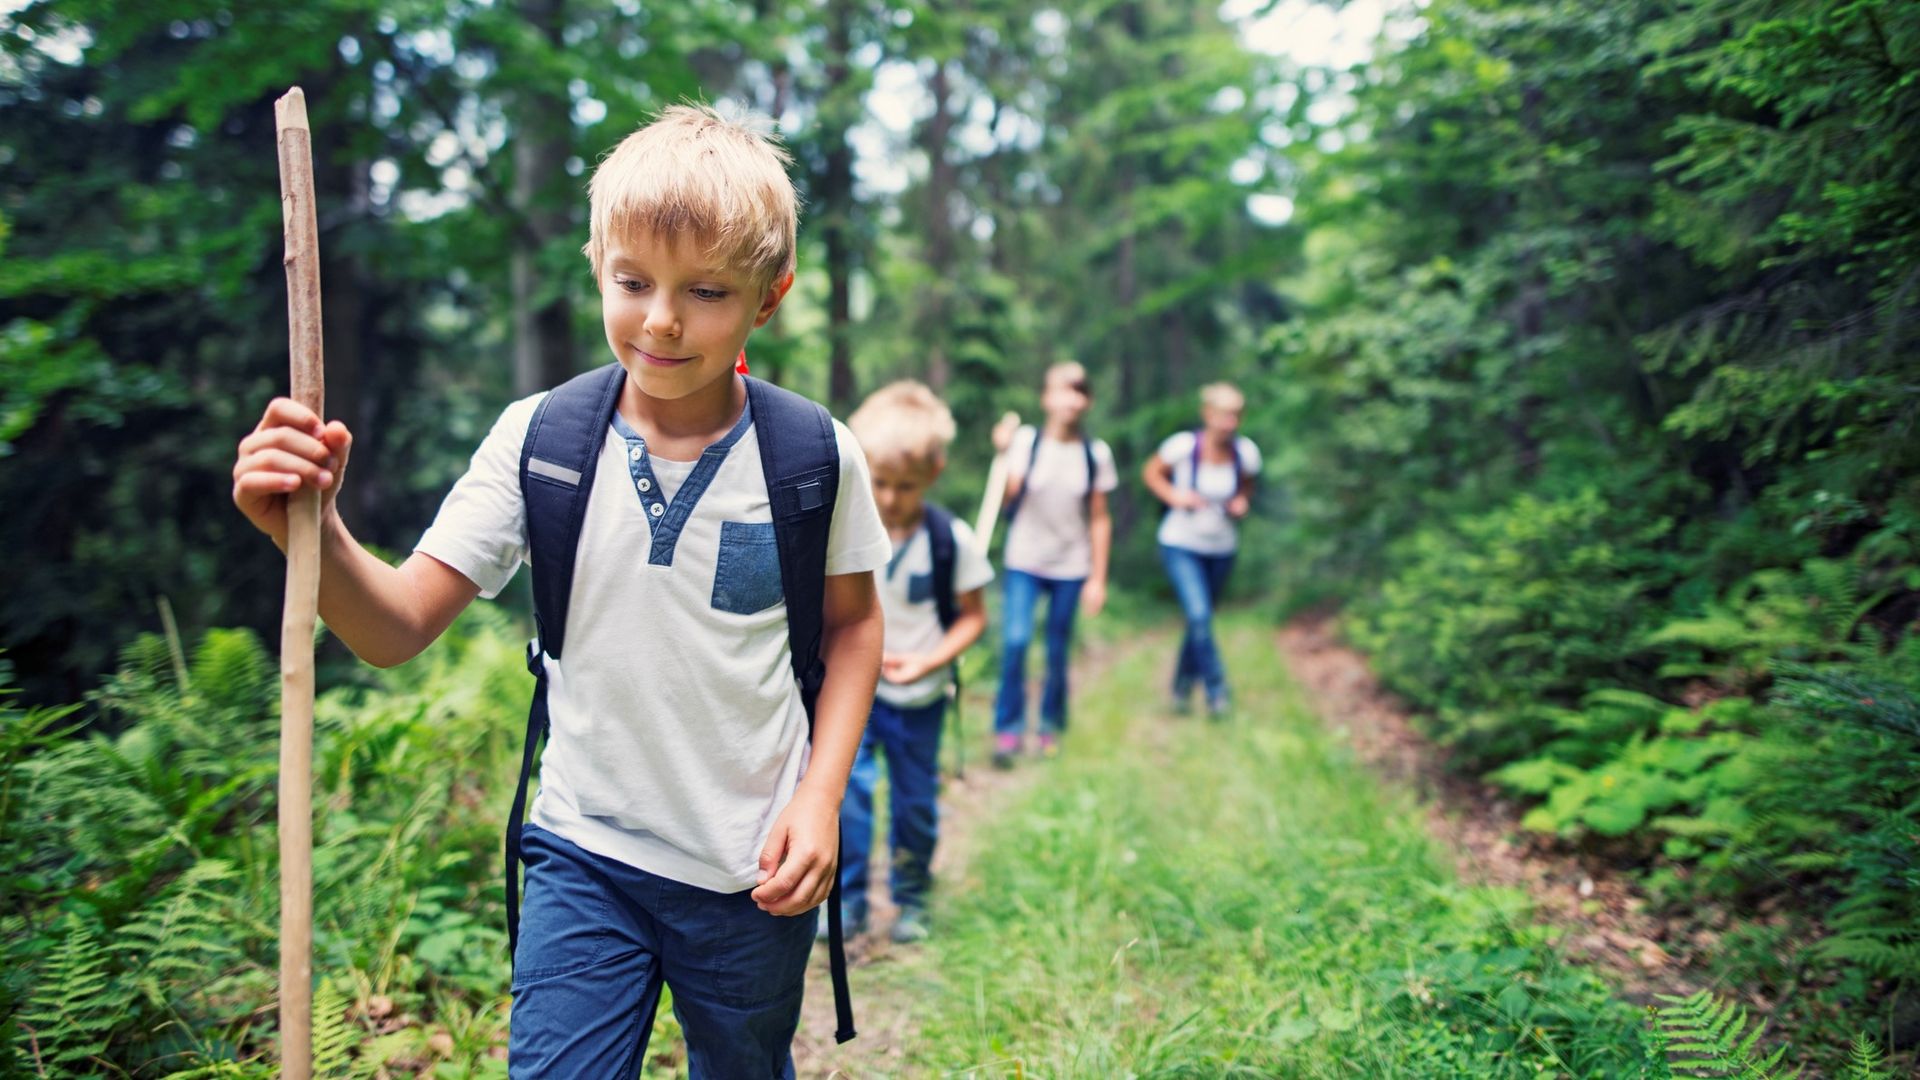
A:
801, 858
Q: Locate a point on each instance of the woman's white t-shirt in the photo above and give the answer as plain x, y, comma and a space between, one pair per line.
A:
1049, 536
1210, 529
677, 729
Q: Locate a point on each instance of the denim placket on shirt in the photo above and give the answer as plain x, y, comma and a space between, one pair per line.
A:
668, 518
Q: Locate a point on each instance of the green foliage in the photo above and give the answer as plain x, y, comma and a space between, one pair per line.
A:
1603, 433
1514, 608
1709, 1037
142, 883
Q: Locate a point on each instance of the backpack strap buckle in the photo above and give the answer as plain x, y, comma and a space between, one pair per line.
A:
536, 666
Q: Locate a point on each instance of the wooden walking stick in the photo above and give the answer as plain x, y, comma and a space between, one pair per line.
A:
302, 599
991, 498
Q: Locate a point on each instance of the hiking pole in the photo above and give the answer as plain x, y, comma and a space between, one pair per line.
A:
991, 498
302, 261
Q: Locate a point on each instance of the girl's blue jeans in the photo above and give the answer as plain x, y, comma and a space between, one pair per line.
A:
1197, 582
1022, 594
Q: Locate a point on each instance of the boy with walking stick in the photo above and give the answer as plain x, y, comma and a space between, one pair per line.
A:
702, 546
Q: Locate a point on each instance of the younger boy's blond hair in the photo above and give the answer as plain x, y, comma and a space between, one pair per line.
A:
694, 173
904, 423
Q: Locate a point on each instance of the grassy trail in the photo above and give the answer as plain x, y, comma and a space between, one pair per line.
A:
1176, 898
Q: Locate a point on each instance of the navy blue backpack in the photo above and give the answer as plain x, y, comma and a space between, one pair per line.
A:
801, 461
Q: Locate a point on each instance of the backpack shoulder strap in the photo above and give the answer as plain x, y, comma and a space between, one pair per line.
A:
1020, 495
801, 461
1093, 474
556, 475
557, 463
939, 526
1193, 466
800, 458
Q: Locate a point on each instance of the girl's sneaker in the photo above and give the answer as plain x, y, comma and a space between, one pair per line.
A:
1049, 746
1005, 749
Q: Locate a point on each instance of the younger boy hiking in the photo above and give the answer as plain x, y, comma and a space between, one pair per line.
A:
702, 546
1058, 538
931, 593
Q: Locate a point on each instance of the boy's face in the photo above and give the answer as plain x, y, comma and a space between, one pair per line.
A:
1222, 423
900, 491
675, 317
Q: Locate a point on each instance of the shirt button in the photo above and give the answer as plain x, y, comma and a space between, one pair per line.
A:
656, 509
636, 454
645, 484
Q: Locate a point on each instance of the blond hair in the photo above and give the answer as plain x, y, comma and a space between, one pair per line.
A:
904, 422
1223, 396
692, 172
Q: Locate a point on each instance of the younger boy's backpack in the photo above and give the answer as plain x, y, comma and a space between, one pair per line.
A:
801, 461
1033, 456
939, 525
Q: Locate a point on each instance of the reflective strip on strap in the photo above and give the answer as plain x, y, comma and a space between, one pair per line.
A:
554, 472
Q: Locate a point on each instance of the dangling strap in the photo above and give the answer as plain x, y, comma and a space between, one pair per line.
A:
536, 730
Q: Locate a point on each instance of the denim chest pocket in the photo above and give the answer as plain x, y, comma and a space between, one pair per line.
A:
746, 577
919, 588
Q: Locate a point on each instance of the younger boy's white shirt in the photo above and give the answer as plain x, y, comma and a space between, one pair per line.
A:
677, 730
913, 618
1050, 537
1209, 530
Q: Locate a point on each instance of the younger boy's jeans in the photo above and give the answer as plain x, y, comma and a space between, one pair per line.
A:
911, 740
597, 940
1197, 582
1023, 591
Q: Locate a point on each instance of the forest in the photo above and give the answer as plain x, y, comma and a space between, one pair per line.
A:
1582, 341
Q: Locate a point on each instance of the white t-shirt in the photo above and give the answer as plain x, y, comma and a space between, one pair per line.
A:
1049, 536
677, 730
1210, 529
913, 618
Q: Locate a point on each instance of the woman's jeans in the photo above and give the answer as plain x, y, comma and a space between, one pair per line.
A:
1022, 594
1197, 583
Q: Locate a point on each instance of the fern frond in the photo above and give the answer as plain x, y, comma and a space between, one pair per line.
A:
1710, 1038
1867, 1061
334, 1036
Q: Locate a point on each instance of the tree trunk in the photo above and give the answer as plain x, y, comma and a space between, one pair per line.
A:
838, 109
543, 346
935, 315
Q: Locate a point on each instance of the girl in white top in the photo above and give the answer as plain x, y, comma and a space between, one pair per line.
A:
1059, 535
1206, 479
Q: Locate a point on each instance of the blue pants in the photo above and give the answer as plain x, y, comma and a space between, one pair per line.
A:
1022, 594
911, 740
597, 940
1197, 582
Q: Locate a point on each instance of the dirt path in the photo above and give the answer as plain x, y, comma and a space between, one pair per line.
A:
966, 802
1609, 922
